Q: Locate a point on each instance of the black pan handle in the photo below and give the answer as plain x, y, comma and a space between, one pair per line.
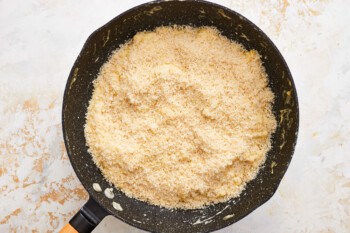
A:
87, 218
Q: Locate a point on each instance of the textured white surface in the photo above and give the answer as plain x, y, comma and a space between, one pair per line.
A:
39, 41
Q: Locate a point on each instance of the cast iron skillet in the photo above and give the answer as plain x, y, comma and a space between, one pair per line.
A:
79, 89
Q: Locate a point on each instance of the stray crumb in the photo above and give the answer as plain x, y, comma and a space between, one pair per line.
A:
109, 193
228, 216
273, 164
117, 206
96, 187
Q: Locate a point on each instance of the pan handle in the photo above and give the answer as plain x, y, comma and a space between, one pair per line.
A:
87, 218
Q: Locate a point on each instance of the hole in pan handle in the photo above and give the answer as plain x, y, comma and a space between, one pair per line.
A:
87, 218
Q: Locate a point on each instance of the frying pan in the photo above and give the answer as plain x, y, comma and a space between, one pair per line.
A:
78, 92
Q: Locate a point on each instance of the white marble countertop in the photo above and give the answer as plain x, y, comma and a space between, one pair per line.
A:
40, 40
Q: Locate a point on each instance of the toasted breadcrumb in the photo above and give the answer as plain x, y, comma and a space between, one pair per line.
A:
180, 117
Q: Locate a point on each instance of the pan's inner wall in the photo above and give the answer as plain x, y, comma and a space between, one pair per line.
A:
147, 17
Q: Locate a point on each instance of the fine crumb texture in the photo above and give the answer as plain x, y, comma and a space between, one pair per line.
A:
180, 117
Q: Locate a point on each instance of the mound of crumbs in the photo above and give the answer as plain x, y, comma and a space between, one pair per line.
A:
180, 117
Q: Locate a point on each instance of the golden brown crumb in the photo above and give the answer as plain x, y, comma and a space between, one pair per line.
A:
180, 117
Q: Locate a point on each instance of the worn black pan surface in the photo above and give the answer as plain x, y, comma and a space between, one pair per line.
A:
79, 89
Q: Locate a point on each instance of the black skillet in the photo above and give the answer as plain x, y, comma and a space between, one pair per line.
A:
79, 89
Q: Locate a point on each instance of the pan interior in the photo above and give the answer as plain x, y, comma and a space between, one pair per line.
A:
79, 90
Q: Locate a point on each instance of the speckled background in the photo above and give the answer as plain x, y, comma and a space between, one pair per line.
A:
39, 42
